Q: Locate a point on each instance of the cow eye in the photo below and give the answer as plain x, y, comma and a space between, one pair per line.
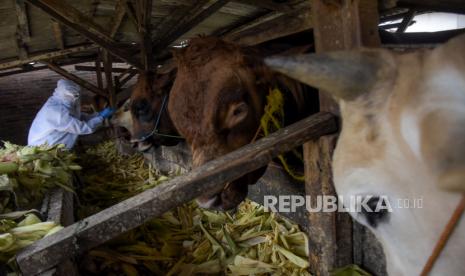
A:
141, 108
374, 217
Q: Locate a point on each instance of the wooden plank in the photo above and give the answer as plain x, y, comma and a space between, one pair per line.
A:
179, 16
131, 12
22, 31
98, 72
268, 4
406, 21
23, 22
338, 25
58, 34
95, 68
28, 69
122, 217
120, 12
21, 47
125, 72
454, 6
48, 55
110, 88
281, 26
123, 81
74, 19
184, 27
144, 8
76, 79
254, 22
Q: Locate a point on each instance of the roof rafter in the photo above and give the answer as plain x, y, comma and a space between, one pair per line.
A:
58, 34
47, 55
22, 33
144, 14
187, 24
28, 69
277, 27
74, 19
267, 4
115, 23
87, 85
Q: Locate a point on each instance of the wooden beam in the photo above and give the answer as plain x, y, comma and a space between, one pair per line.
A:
23, 22
406, 22
118, 16
131, 12
338, 25
21, 47
58, 34
74, 19
76, 79
252, 23
280, 26
268, 4
31, 68
95, 69
48, 55
186, 25
126, 71
454, 6
123, 81
122, 217
107, 66
144, 12
98, 72
22, 29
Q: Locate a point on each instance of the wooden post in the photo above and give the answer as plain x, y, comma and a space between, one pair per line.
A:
338, 25
133, 212
144, 15
98, 72
107, 65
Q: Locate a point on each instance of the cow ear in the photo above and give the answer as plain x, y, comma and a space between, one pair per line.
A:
345, 75
237, 112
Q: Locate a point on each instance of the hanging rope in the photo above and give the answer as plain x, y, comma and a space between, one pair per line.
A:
271, 121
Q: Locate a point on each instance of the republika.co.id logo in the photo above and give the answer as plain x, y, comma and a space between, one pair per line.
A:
330, 203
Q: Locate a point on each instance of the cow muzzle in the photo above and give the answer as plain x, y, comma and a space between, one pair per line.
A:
232, 194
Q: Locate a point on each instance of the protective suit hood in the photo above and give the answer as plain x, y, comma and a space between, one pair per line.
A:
67, 91
59, 121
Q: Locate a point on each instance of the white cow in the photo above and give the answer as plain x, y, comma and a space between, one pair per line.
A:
403, 136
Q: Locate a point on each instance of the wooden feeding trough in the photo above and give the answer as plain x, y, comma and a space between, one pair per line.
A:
103, 226
123, 37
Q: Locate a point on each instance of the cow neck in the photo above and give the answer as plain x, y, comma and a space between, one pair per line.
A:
445, 235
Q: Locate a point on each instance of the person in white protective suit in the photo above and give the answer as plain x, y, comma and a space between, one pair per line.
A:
60, 120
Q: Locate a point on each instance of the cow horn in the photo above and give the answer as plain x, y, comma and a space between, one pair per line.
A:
345, 75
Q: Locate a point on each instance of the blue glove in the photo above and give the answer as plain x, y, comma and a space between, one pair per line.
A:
107, 112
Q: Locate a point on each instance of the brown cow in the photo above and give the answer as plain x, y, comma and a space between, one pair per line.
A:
216, 104
147, 99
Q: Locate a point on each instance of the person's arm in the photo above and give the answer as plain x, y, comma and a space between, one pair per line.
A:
87, 116
73, 125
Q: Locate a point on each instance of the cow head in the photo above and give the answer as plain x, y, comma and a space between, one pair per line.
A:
403, 132
216, 104
146, 110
